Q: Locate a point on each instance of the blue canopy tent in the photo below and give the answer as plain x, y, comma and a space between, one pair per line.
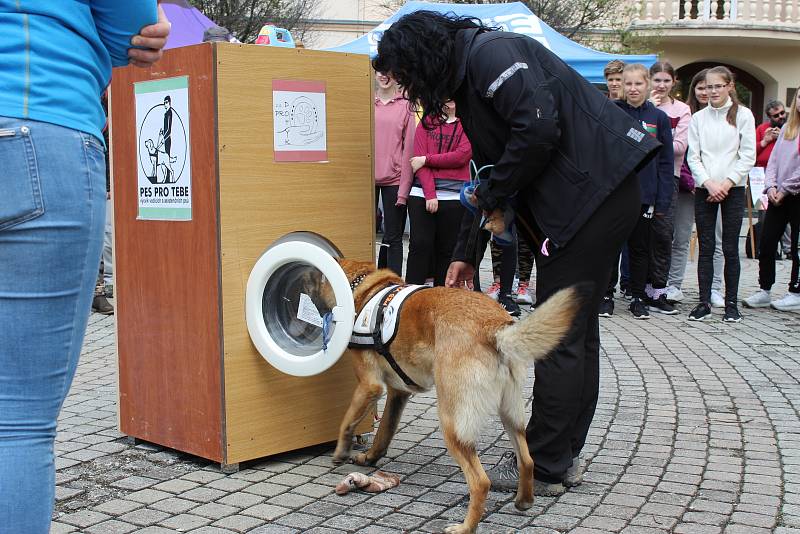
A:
514, 17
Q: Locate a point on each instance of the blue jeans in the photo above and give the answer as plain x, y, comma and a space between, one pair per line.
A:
52, 213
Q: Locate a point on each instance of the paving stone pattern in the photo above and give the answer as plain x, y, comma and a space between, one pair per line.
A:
696, 432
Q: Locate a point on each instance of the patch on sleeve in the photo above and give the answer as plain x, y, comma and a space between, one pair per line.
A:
636, 135
506, 74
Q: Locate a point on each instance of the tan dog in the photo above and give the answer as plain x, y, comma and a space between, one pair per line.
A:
477, 357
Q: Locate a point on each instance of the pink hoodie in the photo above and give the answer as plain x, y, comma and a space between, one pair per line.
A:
394, 141
679, 117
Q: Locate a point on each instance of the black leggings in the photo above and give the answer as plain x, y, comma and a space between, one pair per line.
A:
504, 262
705, 217
394, 222
775, 220
433, 238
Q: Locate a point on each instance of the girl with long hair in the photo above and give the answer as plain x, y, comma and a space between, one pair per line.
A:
722, 150
662, 81
394, 146
656, 182
441, 166
782, 187
683, 221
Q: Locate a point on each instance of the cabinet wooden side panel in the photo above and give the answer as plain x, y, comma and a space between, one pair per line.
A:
167, 277
261, 200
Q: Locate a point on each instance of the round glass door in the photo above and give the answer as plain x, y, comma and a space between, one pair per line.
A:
299, 307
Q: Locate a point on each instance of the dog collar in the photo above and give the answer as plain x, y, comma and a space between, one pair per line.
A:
357, 280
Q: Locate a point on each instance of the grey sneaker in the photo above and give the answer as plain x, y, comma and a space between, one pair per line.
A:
574, 475
504, 476
546, 489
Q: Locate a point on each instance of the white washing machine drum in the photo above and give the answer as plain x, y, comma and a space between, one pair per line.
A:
289, 322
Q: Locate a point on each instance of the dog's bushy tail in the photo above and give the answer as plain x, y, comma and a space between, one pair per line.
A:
538, 334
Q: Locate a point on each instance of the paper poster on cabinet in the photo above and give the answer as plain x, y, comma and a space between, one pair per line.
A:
164, 164
299, 120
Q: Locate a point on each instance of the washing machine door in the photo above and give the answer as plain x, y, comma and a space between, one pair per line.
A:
299, 306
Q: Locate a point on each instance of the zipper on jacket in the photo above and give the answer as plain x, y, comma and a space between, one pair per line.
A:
7, 132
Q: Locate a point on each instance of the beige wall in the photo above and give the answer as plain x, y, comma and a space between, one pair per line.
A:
342, 21
775, 67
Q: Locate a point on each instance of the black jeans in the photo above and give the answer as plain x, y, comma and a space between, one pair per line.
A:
661, 244
705, 217
639, 253
775, 220
394, 222
433, 238
568, 381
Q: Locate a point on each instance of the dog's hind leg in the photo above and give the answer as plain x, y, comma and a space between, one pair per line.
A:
477, 481
395, 404
364, 397
512, 414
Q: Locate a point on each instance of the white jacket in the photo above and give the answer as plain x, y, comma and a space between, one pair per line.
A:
718, 150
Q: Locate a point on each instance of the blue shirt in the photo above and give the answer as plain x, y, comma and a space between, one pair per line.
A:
56, 56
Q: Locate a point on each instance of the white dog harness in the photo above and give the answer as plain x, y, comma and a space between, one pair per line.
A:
377, 323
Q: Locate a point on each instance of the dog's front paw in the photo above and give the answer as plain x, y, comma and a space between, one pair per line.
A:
339, 459
458, 529
523, 505
361, 459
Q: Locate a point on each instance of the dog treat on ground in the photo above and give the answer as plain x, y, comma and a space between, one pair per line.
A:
378, 481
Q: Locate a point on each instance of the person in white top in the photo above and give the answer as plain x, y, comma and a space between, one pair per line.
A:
722, 150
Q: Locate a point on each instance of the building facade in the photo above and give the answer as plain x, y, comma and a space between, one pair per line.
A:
758, 39
342, 21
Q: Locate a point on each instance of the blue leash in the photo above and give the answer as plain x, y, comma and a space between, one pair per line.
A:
327, 319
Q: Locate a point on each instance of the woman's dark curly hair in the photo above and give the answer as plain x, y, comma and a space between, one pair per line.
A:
419, 52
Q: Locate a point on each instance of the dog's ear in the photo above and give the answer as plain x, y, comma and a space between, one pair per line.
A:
353, 268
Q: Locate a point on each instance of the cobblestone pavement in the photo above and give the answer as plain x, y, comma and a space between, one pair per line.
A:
697, 432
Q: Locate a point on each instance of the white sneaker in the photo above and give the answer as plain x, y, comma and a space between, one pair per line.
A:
674, 294
717, 300
759, 299
790, 302
494, 290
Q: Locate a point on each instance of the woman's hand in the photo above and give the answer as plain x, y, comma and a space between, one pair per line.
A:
152, 40
432, 205
656, 98
417, 162
779, 196
460, 274
717, 191
772, 195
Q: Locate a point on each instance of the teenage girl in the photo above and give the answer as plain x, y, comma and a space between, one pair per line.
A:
441, 166
722, 150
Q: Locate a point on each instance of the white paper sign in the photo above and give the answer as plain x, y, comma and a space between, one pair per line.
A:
757, 179
163, 150
308, 312
299, 120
